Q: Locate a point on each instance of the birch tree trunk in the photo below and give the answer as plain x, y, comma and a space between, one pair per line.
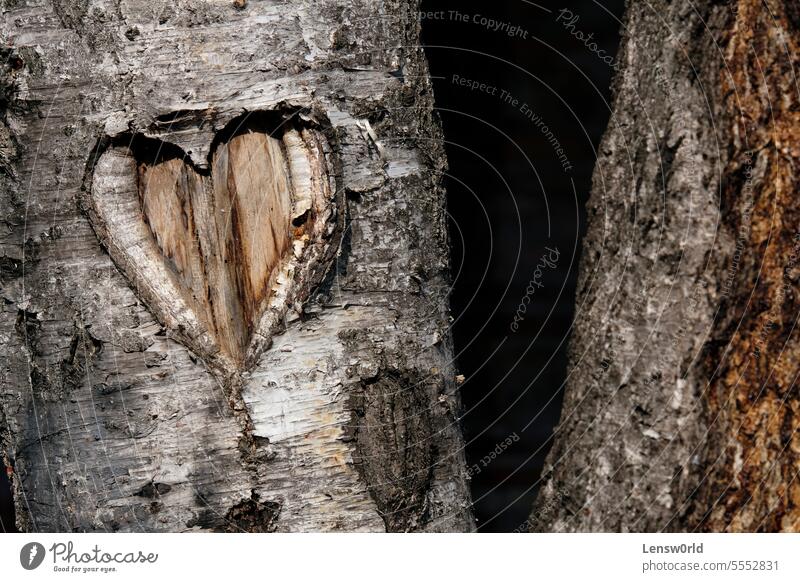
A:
681, 410
164, 371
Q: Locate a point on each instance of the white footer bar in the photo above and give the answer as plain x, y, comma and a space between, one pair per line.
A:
413, 557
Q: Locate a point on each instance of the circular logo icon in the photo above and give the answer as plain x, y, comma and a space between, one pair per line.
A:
31, 555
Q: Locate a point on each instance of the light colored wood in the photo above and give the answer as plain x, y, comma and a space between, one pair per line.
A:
170, 191
224, 235
220, 255
252, 214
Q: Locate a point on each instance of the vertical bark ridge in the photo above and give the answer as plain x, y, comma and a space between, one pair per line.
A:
626, 451
753, 401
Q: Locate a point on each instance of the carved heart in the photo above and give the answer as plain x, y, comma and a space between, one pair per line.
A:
219, 255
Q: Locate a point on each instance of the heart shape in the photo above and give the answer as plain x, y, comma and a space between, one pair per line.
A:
220, 255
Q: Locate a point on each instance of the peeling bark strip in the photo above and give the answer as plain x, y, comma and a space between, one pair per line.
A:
219, 254
752, 481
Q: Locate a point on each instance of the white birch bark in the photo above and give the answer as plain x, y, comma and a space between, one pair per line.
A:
111, 420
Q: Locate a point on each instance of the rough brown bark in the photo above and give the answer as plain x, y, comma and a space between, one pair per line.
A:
753, 463
680, 409
334, 406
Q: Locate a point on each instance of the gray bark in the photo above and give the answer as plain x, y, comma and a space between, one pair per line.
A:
119, 415
671, 419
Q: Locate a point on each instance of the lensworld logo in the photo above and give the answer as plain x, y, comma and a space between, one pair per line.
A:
66, 559
31, 555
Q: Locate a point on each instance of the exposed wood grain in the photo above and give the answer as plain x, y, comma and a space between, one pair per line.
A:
170, 192
222, 246
224, 235
252, 213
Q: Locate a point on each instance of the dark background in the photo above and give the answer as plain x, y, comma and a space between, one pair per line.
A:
6, 505
509, 197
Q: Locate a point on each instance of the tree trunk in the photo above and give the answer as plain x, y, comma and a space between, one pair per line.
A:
681, 409
224, 270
